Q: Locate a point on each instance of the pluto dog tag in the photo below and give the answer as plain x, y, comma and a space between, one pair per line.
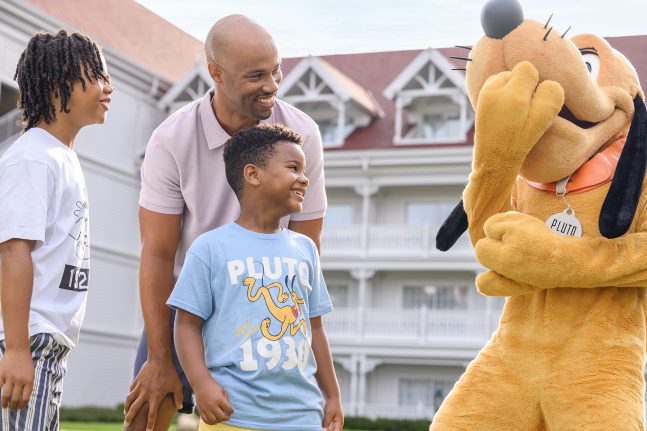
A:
565, 223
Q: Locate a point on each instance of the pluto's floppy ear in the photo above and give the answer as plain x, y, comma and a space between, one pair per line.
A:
620, 205
452, 228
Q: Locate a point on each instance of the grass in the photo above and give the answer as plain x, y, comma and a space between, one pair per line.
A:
103, 426
94, 426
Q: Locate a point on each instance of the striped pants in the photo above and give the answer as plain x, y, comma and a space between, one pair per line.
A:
41, 413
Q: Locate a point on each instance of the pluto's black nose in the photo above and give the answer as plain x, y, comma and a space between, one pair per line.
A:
500, 17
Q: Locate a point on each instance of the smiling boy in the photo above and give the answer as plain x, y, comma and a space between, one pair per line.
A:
44, 224
250, 298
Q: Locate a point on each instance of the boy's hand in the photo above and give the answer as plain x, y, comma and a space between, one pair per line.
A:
213, 402
16, 378
333, 415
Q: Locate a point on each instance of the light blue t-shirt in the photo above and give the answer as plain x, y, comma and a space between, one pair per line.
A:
257, 293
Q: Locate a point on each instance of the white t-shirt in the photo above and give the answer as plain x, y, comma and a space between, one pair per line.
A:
43, 198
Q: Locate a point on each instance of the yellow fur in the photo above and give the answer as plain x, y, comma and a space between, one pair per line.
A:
570, 348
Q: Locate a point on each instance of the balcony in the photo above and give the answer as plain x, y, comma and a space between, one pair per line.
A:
387, 240
466, 328
390, 411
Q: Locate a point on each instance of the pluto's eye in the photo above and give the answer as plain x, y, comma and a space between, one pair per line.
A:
592, 62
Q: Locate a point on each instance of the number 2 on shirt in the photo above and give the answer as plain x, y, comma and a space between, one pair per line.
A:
272, 350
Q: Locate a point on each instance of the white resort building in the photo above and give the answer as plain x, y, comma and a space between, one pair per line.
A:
397, 130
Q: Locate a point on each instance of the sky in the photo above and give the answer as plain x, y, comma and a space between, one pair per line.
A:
320, 27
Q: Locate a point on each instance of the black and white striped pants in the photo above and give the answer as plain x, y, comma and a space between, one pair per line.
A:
41, 413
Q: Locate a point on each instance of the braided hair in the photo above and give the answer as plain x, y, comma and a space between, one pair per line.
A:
51, 65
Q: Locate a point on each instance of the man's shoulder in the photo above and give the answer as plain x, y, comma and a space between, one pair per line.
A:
177, 125
294, 118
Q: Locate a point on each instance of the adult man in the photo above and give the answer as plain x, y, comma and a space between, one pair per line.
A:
185, 193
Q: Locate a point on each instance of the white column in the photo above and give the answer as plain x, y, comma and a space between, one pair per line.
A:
367, 190
463, 115
397, 135
350, 364
363, 276
366, 366
341, 122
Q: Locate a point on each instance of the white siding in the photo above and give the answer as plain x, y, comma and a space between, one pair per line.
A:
10, 49
382, 384
387, 293
390, 203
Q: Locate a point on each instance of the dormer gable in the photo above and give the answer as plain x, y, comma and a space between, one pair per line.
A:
192, 86
334, 101
431, 102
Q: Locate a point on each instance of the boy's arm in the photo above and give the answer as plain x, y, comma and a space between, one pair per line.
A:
333, 413
16, 367
211, 398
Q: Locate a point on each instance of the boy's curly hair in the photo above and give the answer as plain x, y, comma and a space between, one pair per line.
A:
50, 66
254, 146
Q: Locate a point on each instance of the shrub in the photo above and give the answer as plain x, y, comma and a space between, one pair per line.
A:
384, 424
92, 414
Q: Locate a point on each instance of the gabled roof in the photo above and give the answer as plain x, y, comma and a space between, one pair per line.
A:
198, 71
131, 29
374, 72
635, 49
427, 56
343, 86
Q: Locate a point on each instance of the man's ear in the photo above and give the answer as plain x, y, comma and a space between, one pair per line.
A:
252, 175
215, 71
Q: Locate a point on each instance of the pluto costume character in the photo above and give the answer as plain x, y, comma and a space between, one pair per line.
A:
560, 142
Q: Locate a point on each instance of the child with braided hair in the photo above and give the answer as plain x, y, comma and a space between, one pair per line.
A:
44, 226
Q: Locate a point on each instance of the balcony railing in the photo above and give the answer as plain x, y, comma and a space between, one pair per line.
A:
385, 240
374, 411
421, 326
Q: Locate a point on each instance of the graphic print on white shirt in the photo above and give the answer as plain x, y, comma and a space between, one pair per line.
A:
75, 277
43, 198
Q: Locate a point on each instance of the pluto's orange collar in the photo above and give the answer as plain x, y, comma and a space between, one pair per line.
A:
597, 171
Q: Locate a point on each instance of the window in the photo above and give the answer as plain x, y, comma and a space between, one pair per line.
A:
338, 295
436, 297
339, 214
433, 213
439, 127
425, 393
329, 131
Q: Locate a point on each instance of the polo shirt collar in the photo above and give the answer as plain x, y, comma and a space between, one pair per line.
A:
213, 131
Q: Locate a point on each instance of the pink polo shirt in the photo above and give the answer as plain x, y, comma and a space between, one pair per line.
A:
184, 172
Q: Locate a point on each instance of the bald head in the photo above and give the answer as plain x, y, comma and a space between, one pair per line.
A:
233, 31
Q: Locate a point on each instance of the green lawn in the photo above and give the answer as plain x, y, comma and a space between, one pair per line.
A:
102, 426
94, 426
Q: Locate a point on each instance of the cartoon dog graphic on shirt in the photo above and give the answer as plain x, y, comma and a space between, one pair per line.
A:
287, 314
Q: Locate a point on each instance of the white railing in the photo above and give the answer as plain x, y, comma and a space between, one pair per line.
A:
385, 240
390, 411
10, 124
414, 326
